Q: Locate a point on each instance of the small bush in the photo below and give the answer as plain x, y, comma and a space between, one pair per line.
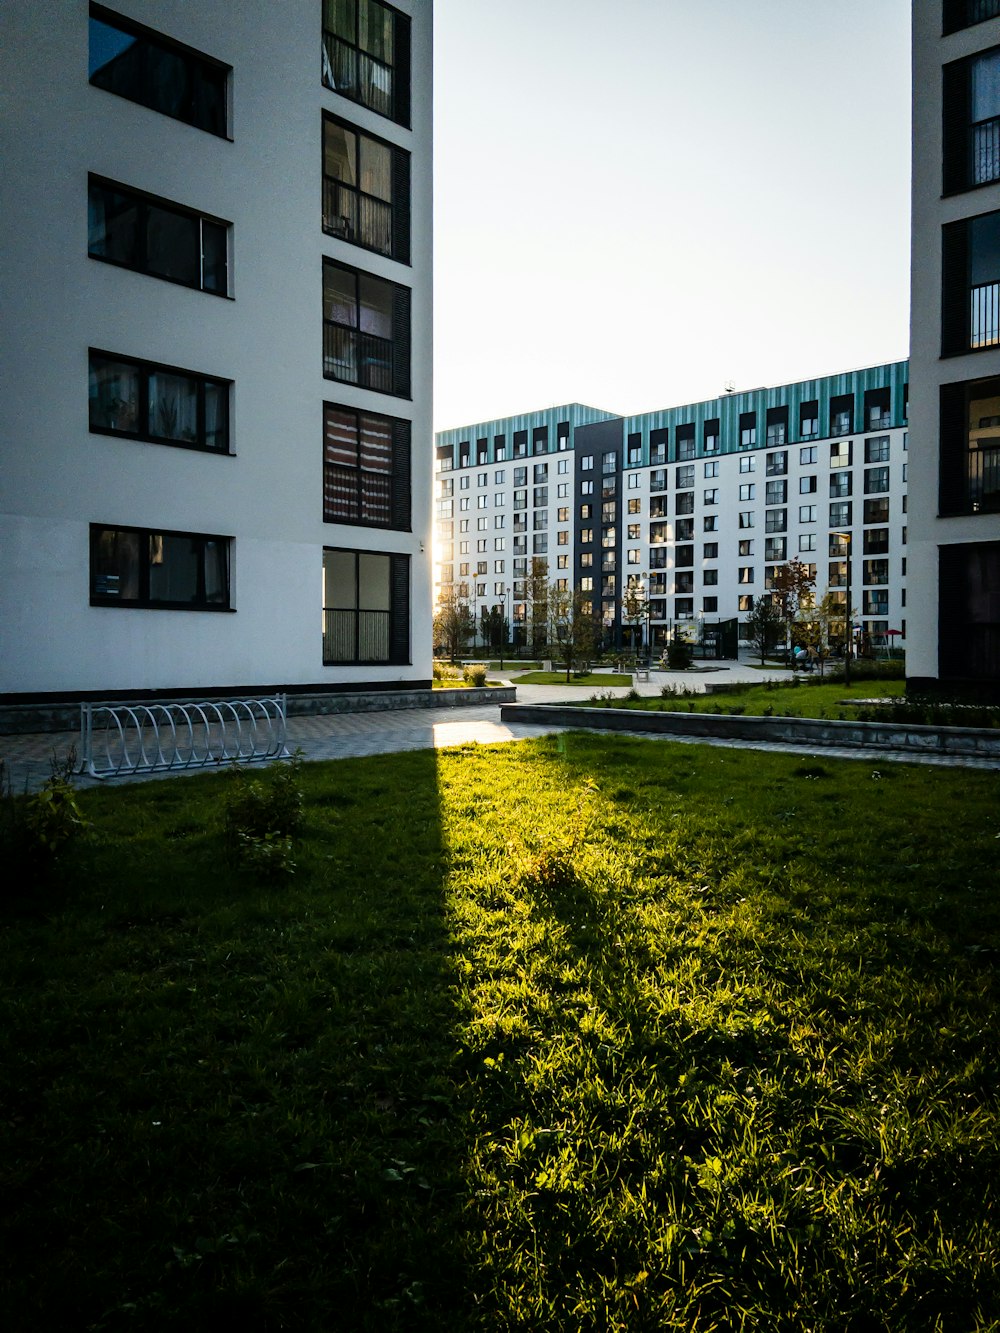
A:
679, 655
260, 818
36, 829
475, 674
445, 671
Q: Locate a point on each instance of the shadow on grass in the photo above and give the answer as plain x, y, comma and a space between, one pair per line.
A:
231, 1104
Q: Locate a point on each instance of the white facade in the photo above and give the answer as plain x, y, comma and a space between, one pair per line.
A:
59, 477
955, 344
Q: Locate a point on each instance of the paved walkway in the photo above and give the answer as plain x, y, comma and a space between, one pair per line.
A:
344, 735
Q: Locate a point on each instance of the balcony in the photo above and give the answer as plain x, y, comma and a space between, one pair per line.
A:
358, 358
355, 636
356, 217
984, 313
983, 480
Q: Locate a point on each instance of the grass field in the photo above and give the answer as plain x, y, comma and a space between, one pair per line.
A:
792, 698
580, 1033
590, 679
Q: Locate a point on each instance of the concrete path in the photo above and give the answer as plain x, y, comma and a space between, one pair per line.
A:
343, 735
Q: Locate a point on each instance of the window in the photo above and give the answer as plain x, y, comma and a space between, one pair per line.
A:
684, 583
711, 469
711, 436
562, 562
684, 556
562, 466
634, 481
683, 608
877, 449
633, 531
540, 495
658, 479
748, 492
710, 577
366, 330
876, 480
746, 518
482, 501
807, 541
969, 584
745, 574
807, 485
748, 463
776, 548
875, 602
710, 551
144, 66
157, 237
808, 425
587, 463
777, 463
748, 430
876, 541
366, 468
746, 546
745, 602
541, 472
840, 514
180, 571
970, 448
586, 511
842, 414
971, 121
586, 488
366, 190
970, 300
776, 492
683, 529
964, 13
776, 520
684, 503
875, 571
807, 513
685, 477
840, 454
609, 461
145, 401
366, 55
710, 523
876, 511
366, 607
634, 554
808, 455
562, 490
711, 495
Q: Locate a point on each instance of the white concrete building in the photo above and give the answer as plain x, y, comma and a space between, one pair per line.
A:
955, 347
215, 347
699, 503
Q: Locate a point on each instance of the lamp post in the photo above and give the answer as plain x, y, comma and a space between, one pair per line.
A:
848, 618
503, 623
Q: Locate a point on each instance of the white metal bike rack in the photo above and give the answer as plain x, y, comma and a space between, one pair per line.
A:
117, 739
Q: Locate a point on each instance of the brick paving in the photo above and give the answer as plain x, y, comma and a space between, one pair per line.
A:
345, 735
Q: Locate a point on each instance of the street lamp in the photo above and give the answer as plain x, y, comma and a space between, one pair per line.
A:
503, 623
848, 618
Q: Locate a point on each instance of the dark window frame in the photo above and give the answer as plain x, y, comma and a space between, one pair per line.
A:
398, 207
398, 614
148, 436
145, 602
959, 14
141, 262
397, 69
399, 491
398, 374
200, 68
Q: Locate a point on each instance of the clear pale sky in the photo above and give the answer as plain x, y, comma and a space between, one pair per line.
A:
638, 201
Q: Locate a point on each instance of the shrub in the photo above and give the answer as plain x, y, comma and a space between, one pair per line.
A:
475, 674
679, 655
445, 671
261, 816
36, 829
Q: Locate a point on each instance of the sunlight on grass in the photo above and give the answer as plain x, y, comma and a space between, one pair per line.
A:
579, 1033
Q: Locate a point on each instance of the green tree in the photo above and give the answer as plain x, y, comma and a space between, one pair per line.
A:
765, 623
493, 626
635, 608
792, 585
453, 622
573, 631
536, 609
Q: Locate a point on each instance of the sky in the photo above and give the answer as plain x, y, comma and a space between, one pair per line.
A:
638, 202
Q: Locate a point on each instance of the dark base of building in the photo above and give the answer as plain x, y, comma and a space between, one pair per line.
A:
60, 711
969, 689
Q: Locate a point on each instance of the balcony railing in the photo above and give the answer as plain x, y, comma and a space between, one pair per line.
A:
357, 217
983, 480
355, 636
985, 315
358, 358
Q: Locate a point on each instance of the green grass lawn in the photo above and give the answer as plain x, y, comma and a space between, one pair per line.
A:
578, 1033
603, 679
795, 698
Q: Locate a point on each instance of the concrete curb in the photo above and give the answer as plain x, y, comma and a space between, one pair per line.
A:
804, 731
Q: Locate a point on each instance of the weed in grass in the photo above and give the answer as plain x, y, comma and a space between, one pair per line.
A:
633, 694
37, 830
262, 815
